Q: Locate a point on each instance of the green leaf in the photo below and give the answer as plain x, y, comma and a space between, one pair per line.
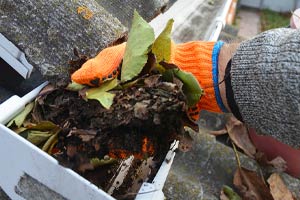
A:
75, 86
191, 87
106, 86
105, 98
19, 130
162, 46
141, 37
96, 162
38, 137
50, 141
231, 195
168, 75
19, 119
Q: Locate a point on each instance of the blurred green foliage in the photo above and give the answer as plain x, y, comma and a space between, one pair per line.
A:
271, 19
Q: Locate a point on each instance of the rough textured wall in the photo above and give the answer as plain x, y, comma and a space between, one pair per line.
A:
123, 9
47, 31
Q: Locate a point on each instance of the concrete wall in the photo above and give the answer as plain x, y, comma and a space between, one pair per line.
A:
276, 5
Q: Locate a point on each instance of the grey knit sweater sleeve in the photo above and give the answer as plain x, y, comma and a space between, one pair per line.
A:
265, 79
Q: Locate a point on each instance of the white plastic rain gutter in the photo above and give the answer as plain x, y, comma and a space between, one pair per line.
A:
14, 57
38, 164
182, 9
220, 21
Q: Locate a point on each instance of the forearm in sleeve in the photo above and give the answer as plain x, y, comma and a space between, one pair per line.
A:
265, 84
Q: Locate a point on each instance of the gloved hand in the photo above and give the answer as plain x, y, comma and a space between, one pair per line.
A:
102, 67
199, 58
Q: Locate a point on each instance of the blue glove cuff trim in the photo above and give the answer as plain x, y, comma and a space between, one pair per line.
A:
215, 71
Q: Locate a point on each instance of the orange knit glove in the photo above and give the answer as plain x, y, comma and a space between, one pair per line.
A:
103, 67
199, 58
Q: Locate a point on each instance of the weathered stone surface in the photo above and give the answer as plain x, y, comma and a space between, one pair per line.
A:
47, 31
123, 9
201, 172
292, 184
30, 188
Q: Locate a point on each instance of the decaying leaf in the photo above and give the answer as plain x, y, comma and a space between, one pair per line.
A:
84, 135
42, 126
227, 193
38, 137
152, 80
50, 142
278, 188
46, 90
250, 185
43, 134
279, 164
191, 87
43, 94
141, 37
219, 132
19, 119
238, 133
53, 143
162, 46
19, 130
101, 94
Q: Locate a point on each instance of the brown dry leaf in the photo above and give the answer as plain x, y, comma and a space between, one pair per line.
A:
36, 113
279, 164
168, 65
261, 158
46, 90
250, 185
219, 132
278, 188
152, 81
239, 135
84, 135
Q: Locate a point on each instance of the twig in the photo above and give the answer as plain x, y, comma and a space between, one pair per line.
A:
236, 155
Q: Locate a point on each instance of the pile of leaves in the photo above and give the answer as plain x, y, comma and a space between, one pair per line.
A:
139, 113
